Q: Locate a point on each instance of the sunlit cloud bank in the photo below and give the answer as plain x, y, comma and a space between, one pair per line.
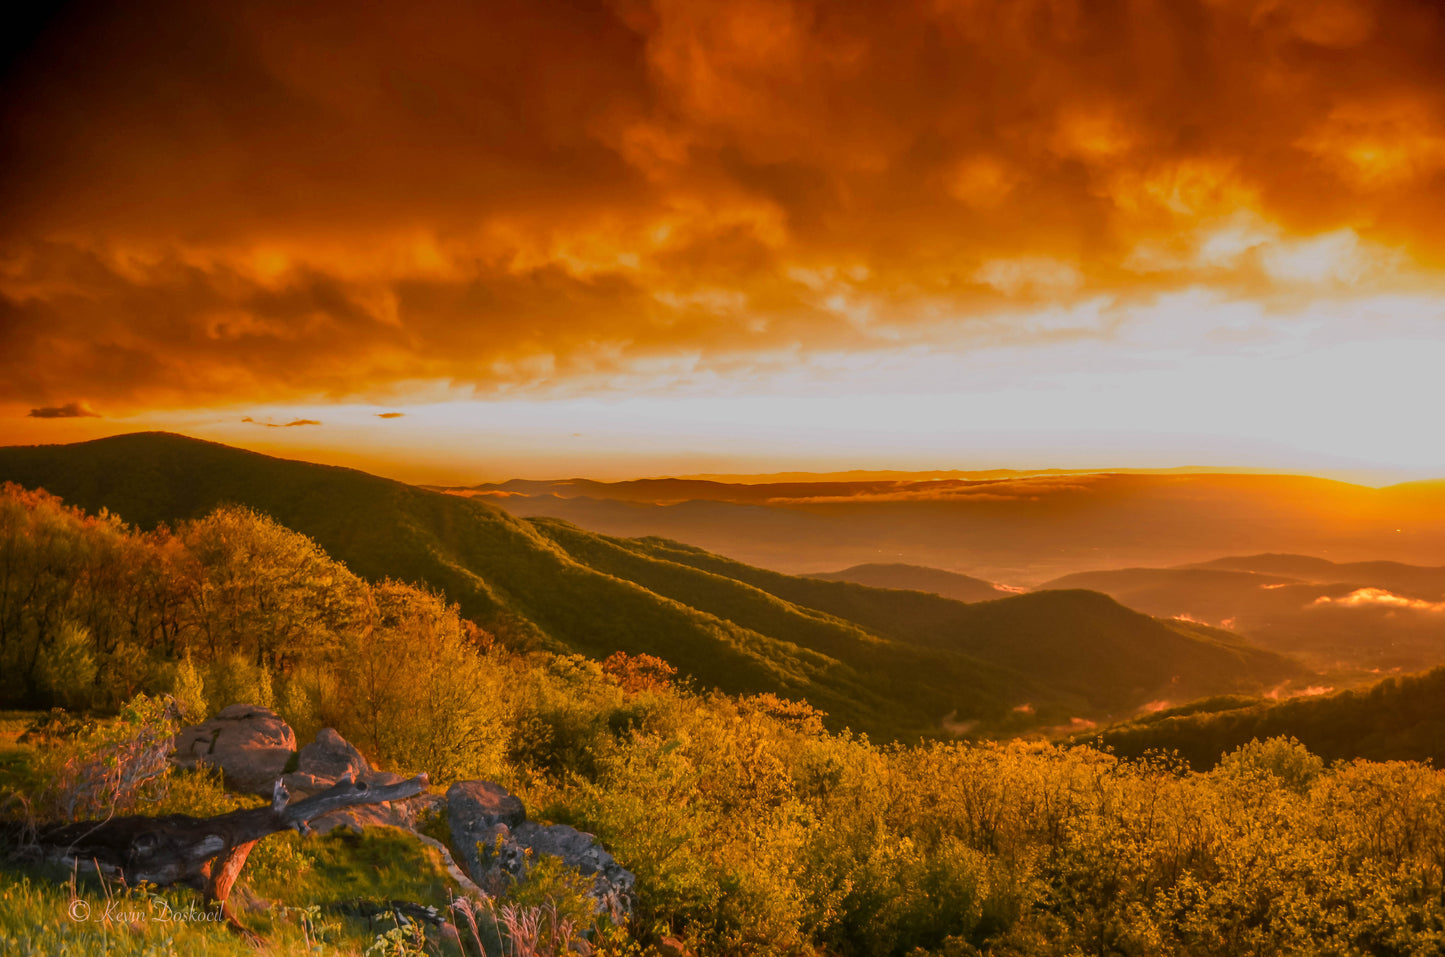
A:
1379, 598
1211, 218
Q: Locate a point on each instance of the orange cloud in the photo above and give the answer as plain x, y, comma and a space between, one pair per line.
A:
524, 196
280, 425
1379, 598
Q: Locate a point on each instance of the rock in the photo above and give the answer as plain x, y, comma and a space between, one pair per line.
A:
251, 745
474, 803
327, 760
611, 883
498, 844
479, 812
403, 814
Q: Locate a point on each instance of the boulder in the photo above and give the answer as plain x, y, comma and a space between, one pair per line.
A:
480, 812
251, 745
611, 883
474, 805
497, 845
330, 758
327, 760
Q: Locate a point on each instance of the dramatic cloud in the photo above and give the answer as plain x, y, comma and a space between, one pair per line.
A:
264, 201
71, 410
280, 425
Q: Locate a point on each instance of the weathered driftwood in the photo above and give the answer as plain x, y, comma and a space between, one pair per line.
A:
207, 852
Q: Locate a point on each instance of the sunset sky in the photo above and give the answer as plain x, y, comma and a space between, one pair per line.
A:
631, 238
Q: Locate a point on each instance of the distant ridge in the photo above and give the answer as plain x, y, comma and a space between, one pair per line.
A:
1396, 576
918, 578
889, 662
854, 475
1023, 529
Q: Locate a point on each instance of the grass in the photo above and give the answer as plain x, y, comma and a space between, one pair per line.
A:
301, 895
379, 864
44, 916
17, 772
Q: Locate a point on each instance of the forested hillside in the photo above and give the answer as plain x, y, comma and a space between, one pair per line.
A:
1396, 719
892, 663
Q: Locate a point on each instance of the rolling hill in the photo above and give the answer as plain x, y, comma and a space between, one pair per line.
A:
893, 663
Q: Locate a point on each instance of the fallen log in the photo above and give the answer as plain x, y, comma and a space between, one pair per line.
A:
209, 852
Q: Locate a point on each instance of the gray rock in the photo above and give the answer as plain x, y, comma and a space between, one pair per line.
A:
479, 814
498, 846
472, 802
251, 746
612, 884
327, 760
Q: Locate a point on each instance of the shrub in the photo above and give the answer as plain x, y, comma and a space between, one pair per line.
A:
1284, 760
110, 767
66, 673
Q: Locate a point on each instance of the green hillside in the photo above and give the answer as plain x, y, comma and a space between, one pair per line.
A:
1080, 643
502, 573
1398, 719
936, 681
888, 662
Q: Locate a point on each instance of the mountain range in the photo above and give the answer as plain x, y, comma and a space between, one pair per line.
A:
890, 662
1020, 529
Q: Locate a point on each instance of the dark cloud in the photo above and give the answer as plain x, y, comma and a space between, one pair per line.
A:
254, 200
70, 410
390, 415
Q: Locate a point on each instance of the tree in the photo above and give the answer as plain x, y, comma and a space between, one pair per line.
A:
416, 691
266, 591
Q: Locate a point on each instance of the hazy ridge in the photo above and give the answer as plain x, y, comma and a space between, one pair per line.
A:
1019, 530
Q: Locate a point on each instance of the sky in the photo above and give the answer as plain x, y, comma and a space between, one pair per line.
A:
458, 242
